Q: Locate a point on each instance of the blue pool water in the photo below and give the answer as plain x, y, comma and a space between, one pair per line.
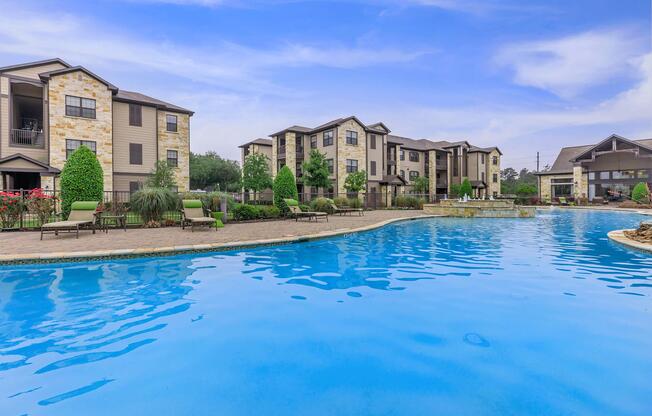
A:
437, 316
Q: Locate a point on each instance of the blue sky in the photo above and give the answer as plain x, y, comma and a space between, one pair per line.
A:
523, 75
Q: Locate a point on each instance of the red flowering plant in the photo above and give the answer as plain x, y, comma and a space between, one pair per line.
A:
41, 204
11, 206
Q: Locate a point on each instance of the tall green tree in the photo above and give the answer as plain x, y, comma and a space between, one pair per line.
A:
421, 185
466, 188
285, 187
82, 179
255, 173
315, 170
356, 181
211, 170
162, 176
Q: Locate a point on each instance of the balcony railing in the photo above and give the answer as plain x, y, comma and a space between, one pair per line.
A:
31, 138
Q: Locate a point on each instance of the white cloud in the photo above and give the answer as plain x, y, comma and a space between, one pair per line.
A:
568, 66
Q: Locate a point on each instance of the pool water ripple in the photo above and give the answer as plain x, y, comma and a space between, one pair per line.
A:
437, 316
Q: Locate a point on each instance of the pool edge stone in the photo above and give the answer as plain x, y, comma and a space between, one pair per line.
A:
619, 237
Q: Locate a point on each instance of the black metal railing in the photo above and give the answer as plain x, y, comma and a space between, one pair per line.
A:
32, 138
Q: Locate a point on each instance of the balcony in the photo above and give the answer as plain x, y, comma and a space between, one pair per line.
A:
27, 138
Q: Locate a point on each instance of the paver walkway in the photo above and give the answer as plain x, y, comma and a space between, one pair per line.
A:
28, 243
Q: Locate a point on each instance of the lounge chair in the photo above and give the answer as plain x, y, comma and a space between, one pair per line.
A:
346, 210
563, 201
82, 215
296, 212
193, 215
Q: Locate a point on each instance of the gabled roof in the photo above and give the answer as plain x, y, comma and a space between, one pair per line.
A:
295, 128
484, 149
138, 98
44, 166
421, 144
33, 64
47, 75
393, 180
331, 124
379, 125
259, 141
609, 139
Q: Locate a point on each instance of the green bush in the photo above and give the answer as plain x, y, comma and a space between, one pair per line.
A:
409, 201
322, 205
641, 193
304, 208
213, 201
246, 212
455, 190
269, 211
355, 203
284, 187
341, 201
82, 179
466, 188
152, 203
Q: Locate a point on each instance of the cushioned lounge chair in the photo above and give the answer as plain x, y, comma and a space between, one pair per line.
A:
563, 201
82, 215
193, 215
346, 210
296, 212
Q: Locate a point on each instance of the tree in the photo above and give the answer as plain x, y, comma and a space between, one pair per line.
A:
641, 193
421, 185
315, 170
455, 190
285, 187
162, 176
82, 179
210, 170
255, 173
356, 181
526, 189
466, 188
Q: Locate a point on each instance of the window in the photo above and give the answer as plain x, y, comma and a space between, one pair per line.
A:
438, 157
494, 160
372, 167
592, 176
352, 137
604, 175
173, 158
495, 178
642, 174
72, 145
623, 174
413, 175
329, 162
414, 157
313, 141
80, 107
135, 154
281, 141
402, 173
328, 138
402, 155
351, 165
482, 158
135, 115
135, 186
372, 141
171, 122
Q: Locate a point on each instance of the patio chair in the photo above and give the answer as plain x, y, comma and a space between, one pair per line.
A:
193, 215
563, 201
346, 210
83, 214
296, 212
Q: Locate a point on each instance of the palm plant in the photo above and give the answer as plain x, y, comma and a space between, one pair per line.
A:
152, 203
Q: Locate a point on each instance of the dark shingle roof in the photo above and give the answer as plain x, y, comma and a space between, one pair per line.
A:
136, 97
259, 141
421, 144
35, 63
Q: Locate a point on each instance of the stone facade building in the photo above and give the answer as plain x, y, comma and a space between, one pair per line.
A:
392, 163
609, 169
50, 108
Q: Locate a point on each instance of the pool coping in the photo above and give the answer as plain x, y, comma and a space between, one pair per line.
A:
619, 237
82, 256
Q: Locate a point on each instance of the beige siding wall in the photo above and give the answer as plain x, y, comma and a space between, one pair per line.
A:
409, 166
121, 182
179, 141
347, 151
4, 116
375, 155
35, 70
123, 134
64, 127
473, 161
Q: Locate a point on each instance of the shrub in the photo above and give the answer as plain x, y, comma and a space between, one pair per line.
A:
409, 201
40, 204
213, 201
322, 205
11, 206
304, 207
641, 193
465, 188
161, 176
269, 211
341, 201
151, 203
246, 212
455, 190
82, 179
285, 187
355, 203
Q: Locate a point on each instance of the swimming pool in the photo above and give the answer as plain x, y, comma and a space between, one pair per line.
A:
435, 316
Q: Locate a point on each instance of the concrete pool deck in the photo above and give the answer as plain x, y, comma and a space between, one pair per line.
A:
619, 237
25, 247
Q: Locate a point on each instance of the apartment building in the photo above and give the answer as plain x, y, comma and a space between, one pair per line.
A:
50, 108
611, 167
392, 162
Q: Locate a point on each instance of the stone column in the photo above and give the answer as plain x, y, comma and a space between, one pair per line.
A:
432, 174
274, 156
291, 152
580, 182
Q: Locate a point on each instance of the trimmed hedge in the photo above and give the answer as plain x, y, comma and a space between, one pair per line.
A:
246, 212
82, 179
285, 186
641, 193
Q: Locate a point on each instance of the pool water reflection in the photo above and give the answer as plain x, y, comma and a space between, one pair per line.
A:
439, 316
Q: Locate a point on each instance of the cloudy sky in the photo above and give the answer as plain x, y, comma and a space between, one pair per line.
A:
527, 76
